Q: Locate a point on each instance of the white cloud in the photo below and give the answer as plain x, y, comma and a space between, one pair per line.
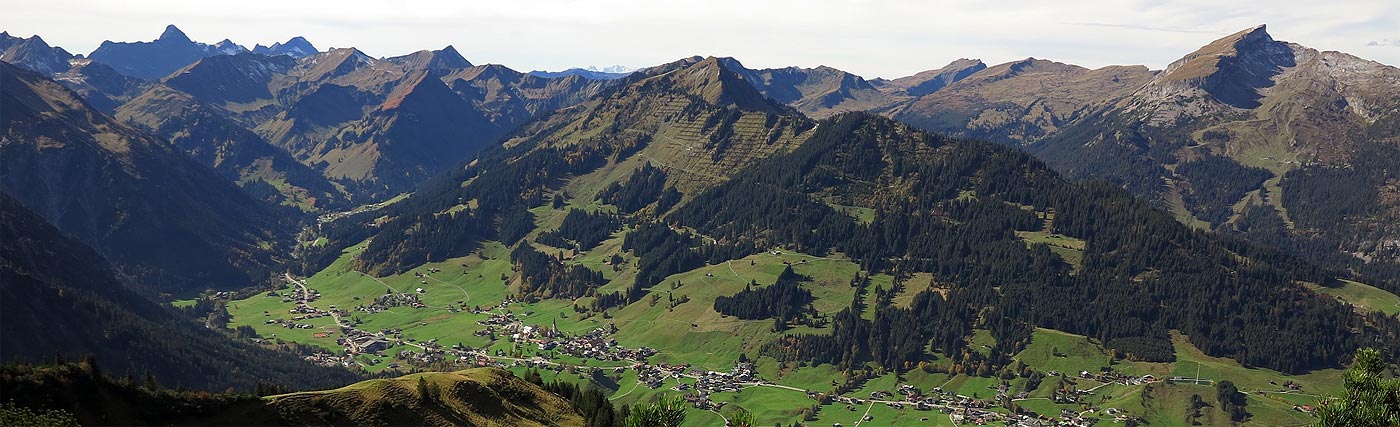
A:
871, 38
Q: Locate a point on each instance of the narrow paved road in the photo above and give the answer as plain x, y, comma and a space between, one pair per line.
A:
376, 279
867, 413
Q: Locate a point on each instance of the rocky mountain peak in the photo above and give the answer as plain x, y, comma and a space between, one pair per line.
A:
33, 54
1232, 69
450, 57
173, 34
296, 47
444, 59
931, 81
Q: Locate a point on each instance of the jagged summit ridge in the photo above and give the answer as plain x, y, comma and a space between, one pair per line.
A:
931, 81
296, 47
443, 59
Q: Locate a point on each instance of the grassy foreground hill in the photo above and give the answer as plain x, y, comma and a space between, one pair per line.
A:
476, 397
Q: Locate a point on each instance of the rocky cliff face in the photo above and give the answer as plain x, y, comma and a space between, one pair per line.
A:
1019, 102
816, 92
1314, 126
1229, 73
934, 80
296, 47
378, 126
155, 59
33, 54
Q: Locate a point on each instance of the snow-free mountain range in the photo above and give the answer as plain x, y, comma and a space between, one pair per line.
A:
1221, 205
1273, 114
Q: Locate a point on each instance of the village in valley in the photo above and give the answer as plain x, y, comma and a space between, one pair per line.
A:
462, 313
696, 385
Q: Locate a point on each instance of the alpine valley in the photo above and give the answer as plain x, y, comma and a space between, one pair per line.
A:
207, 234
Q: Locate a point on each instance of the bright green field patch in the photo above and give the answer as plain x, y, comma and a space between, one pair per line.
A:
1068, 248
1191, 360
1364, 297
860, 214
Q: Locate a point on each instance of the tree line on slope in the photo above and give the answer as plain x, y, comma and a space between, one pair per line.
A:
1142, 272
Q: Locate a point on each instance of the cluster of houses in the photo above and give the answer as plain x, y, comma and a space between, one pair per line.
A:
428, 354
332, 360
356, 341
391, 300
1113, 377
706, 382
654, 376
712, 381
302, 312
596, 345
299, 295
290, 324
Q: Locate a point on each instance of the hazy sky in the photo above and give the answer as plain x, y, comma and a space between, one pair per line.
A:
870, 38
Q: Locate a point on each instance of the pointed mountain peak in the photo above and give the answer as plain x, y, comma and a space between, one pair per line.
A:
1234, 67
449, 57
298, 47
673, 65
438, 60
1256, 31
335, 63
932, 81
38, 41
228, 47
1231, 44
1031, 64
729, 62
173, 34
1203, 62
715, 82
424, 90
965, 62
347, 53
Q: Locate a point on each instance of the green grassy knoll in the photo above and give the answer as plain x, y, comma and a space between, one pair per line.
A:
1052, 350
1191, 360
769, 405
693, 332
1364, 297
1070, 249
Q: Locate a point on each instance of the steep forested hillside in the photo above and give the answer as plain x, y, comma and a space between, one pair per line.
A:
211, 138
961, 209
695, 117
60, 298
172, 223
